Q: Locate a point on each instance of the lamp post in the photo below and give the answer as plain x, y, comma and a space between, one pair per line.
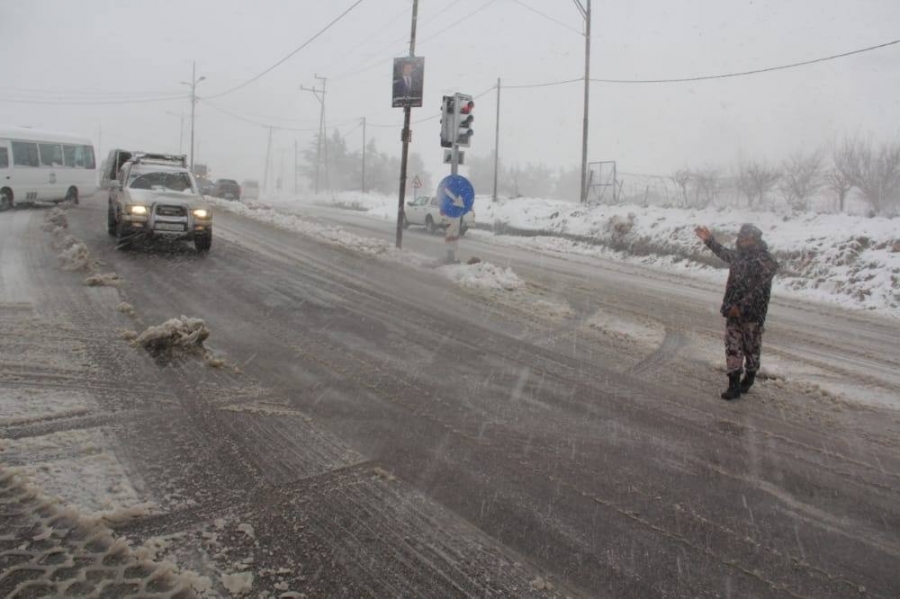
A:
193, 85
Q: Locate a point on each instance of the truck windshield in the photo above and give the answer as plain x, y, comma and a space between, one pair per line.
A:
171, 181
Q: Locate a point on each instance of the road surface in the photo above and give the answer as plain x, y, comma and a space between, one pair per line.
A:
379, 431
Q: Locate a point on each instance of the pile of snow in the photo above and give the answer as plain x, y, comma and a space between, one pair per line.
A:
482, 275
107, 279
56, 220
75, 256
176, 334
238, 584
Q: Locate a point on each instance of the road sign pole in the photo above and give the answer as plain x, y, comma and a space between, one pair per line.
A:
407, 134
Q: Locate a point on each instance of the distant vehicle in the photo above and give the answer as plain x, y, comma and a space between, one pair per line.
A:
426, 211
155, 195
250, 190
204, 185
200, 170
227, 189
41, 166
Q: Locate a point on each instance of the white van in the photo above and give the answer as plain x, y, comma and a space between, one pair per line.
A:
40, 166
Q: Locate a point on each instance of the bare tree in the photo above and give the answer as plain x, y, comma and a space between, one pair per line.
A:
876, 172
839, 176
802, 178
706, 186
682, 179
755, 180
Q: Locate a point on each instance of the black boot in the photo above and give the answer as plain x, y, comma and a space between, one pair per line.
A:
749, 377
734, 386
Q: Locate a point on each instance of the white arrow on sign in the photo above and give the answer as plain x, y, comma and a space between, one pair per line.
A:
457, 200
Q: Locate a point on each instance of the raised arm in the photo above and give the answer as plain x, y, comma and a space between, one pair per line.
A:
717, 248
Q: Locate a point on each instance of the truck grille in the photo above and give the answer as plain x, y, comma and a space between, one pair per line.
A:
171, 211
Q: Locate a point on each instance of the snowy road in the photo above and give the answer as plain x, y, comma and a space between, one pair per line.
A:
390, 434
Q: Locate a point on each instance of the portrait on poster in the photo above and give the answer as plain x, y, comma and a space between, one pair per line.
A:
409, 75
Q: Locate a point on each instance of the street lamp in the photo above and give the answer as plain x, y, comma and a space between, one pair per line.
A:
193, 86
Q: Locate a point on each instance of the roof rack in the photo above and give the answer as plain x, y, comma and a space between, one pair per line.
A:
148, 158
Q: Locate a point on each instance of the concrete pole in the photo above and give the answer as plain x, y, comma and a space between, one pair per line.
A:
587, 88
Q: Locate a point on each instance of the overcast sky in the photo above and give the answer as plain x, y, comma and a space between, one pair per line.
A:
95, 50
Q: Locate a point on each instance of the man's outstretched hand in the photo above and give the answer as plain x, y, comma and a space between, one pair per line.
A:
703, 233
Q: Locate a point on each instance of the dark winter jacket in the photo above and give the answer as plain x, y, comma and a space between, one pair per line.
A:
750, 276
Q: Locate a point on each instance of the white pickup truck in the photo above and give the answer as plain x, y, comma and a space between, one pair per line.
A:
426, 211
155, 195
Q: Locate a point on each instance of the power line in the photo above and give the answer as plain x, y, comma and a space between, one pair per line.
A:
89, 93
457, 22
381, 61
251, 121
290, 55
754, 71
92, 102
546, 84
548, 17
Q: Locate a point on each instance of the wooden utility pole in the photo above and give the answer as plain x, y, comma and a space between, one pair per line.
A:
586, 13
497, 143
407, 134
364, 156
322, 142
268, 154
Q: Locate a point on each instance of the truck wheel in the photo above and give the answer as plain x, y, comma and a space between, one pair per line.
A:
72, 196
5, 200
111, 221
429, 225
124, 236
202, 243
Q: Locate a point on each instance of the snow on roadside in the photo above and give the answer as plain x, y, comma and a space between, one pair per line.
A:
853, 261
22, 406
482, 275
78, 467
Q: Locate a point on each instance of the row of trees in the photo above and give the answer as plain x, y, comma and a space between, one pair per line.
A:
341, 170
873, 170
852, 164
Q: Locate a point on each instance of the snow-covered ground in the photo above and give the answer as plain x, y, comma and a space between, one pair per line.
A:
853, 261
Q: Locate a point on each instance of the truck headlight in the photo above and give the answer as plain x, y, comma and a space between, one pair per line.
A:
201, 213
139, 210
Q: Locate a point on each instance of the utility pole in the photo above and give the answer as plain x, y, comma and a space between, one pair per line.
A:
497, 143
406, 135
180, 130
320, 96
193, 86
296, 158
364, 156
586, 13
268, 153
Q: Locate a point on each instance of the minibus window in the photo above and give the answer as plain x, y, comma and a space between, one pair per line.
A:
4, 158
69, 155
25, 154
51, 155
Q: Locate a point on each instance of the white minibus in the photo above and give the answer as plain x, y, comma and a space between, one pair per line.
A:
40, 166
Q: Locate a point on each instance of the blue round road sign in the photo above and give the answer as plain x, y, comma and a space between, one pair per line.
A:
456, 195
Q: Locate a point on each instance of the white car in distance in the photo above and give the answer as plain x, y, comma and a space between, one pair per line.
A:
426, 211
156, 196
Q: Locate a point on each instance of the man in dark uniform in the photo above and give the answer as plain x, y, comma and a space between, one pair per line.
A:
746, 301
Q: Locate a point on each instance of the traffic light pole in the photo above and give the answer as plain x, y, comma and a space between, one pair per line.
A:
406, 136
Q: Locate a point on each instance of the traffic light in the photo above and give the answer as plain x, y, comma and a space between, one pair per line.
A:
464, 105
448, 122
